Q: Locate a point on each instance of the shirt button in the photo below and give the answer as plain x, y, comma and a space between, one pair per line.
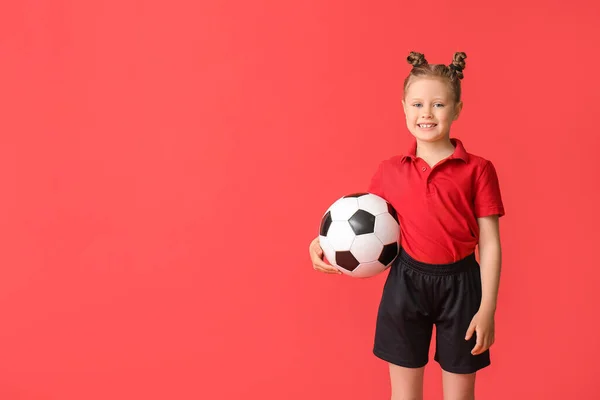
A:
424, 168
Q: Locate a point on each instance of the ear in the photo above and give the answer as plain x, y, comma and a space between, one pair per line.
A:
457, 110
404, 106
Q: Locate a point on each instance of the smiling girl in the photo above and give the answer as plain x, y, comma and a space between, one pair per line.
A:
448, 203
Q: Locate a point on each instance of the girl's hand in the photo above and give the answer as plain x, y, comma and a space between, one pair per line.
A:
482, 324
316, 256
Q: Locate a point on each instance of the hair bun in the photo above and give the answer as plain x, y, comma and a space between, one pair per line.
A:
416, 59
458, 64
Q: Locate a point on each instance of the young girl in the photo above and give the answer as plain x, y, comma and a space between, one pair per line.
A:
448, 202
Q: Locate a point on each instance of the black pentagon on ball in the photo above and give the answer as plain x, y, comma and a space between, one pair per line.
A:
355, 195
325, 224
389, 252
392, 212
346, 260
362, 222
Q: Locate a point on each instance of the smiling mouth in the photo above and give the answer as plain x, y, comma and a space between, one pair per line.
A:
426, 125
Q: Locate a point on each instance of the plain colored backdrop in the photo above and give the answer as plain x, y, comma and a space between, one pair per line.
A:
165, 164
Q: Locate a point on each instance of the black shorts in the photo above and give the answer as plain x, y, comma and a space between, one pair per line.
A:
415, 297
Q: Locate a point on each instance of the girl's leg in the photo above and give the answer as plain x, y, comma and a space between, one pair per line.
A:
407, 383
458, 386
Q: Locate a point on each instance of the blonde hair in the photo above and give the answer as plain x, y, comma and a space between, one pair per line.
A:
452, 73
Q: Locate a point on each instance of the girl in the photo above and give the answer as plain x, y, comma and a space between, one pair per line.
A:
448, 202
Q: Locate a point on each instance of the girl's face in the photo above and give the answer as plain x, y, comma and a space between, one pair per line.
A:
430, 109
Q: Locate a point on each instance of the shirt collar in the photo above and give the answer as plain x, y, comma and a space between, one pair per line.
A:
459, 151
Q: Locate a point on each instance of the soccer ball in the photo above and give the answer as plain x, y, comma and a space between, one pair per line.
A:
360, 235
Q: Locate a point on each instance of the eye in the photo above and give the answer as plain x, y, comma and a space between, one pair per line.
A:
417, 105
438, 105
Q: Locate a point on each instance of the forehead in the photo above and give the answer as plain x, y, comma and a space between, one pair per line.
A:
428, 87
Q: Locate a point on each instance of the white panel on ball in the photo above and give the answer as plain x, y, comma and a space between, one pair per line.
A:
373, 204
367, 270
386, 228
366, 248
328, 249
343, 208
340, 235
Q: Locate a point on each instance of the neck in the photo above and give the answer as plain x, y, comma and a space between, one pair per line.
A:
433, 152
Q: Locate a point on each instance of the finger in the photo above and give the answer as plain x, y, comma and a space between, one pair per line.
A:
322, 266
490, 341
486, 346
327, 270
470, 331
326, 267
318, 262
478, 345
479, 348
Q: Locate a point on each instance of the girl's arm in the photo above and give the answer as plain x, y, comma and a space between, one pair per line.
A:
490, 260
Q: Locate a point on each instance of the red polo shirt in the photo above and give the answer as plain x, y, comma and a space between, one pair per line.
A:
438, 207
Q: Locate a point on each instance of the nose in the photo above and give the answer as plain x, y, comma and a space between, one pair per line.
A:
426, 113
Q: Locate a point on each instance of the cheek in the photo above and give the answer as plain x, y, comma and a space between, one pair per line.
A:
411, 115
445, 117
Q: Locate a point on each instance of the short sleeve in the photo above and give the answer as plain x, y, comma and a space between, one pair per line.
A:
488, 199
376, 186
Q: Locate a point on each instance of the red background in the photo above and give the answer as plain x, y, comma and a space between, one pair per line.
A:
164, 166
